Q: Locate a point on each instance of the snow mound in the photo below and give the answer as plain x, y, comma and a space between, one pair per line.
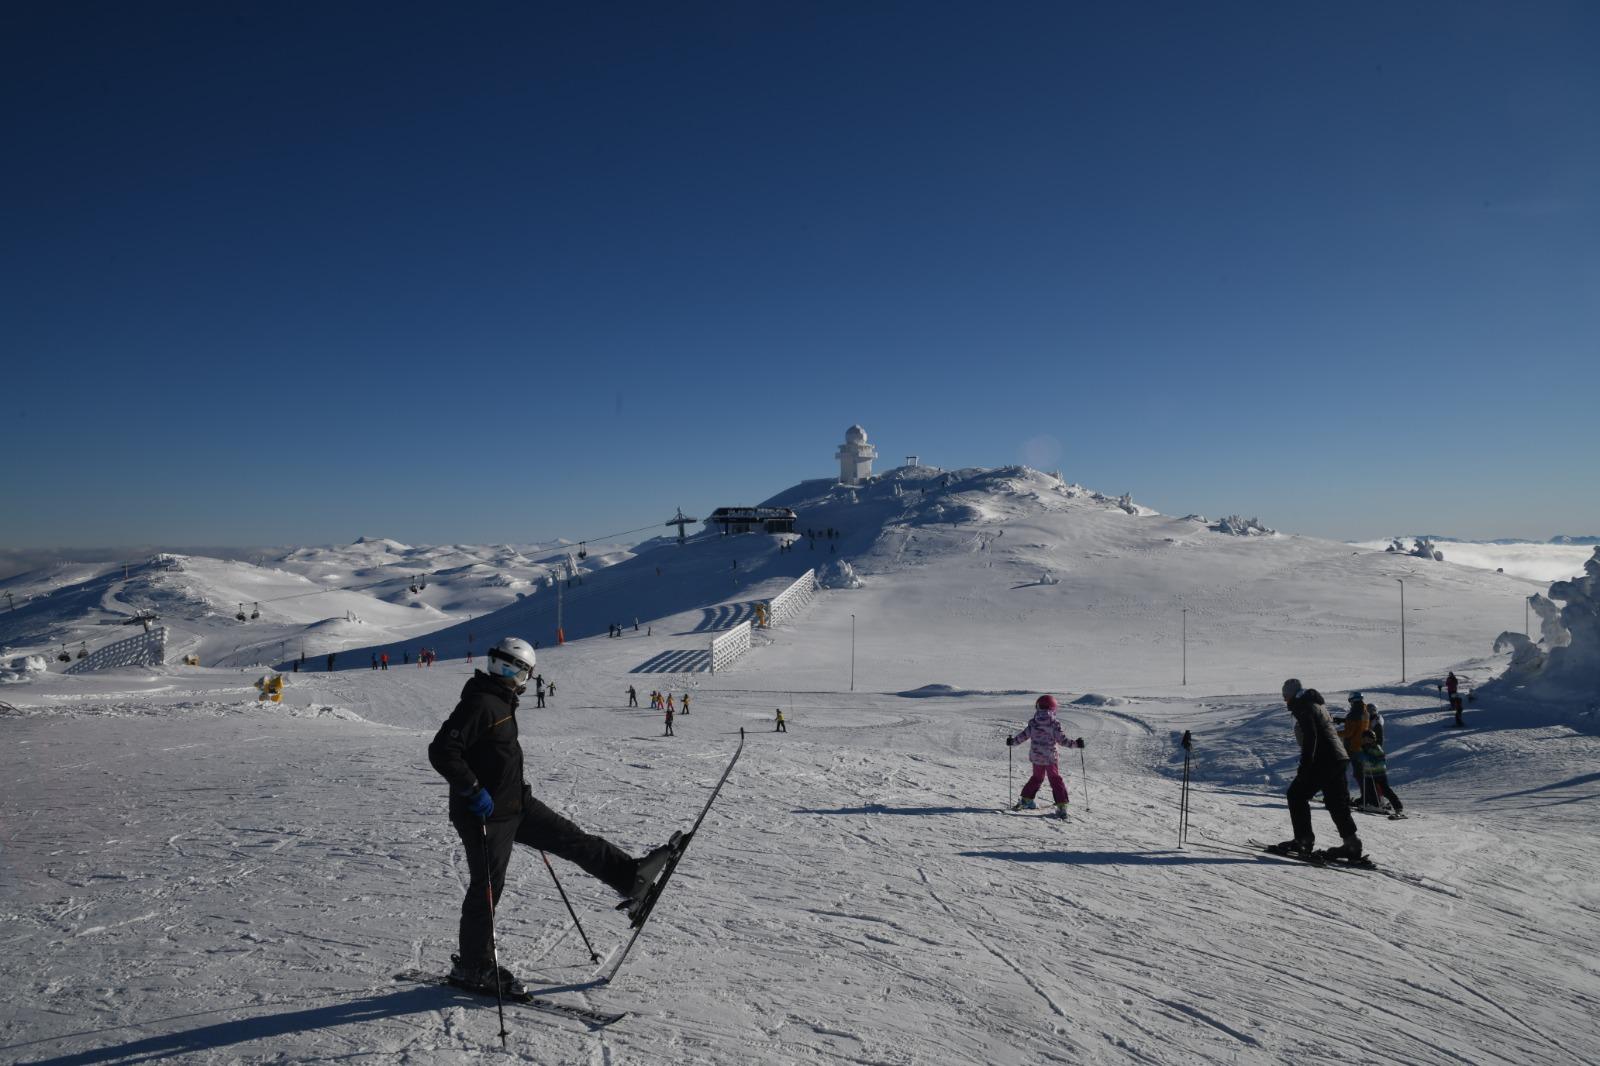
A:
324, 710
928, 691
1095, 699
1239, 526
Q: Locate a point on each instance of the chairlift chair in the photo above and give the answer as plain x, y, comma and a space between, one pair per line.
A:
83, 650
65, 656
255, 613
240, 615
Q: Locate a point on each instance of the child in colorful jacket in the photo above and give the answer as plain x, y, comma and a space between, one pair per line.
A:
1375, 768
1044, 732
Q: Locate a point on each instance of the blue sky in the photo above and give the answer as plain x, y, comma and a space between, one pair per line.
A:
504, 272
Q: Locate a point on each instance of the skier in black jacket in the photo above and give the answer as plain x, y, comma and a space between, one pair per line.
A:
1323, 767
492, 807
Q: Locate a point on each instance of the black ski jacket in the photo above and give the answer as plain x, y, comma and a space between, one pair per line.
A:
1320, 744
478, 746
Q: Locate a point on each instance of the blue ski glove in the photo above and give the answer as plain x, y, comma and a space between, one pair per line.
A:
480, 803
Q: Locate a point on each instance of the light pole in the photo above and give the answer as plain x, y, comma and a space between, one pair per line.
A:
852, 653
1402, 629
1186, 645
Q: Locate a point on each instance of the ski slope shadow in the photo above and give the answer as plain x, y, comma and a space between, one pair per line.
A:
1113, 858
725, 616
878, 808
674, 661
245, 1030
1554, 786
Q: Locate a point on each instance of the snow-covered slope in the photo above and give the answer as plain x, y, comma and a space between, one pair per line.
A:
955, 562
312, 599
191, 874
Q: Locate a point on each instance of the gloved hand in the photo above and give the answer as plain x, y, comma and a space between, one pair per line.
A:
1011, 741
479, 802
1080, 742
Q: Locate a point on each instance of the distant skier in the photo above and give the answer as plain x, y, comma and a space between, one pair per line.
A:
1376, 770
1375, 722
1322, 768
1451, 684
538, 691
778, 725
1351, 728
491, 807
1045, 732
374, 660
330, 662
685, 704
668, 716
384, 660
633, 696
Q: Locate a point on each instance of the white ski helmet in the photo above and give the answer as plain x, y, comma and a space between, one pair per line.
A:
513, 659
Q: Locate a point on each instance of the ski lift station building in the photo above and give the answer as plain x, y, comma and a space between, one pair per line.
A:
752, 519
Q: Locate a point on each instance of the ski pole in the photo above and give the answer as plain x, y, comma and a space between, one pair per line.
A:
1183, 814
1084, 766
594, 956
494, 953
1183, 805
1010, 779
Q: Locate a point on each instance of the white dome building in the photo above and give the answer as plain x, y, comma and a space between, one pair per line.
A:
855, 457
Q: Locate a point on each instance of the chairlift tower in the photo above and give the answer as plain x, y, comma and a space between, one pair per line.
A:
680, 521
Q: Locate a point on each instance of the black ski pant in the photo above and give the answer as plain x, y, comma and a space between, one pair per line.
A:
1328, 780
538, 827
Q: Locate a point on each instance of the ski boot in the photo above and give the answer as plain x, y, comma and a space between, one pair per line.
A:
1024, 804
1295, 848
1349, 851
480, 977
1061, 811
646, 872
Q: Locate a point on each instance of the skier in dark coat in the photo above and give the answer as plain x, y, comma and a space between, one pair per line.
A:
1324, 764
492, 807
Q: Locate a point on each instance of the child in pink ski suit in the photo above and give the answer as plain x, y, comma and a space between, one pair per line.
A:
1045, 733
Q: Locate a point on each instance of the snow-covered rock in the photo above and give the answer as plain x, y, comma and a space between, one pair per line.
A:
1239, 526
1569, 665
1420, 548
839, 575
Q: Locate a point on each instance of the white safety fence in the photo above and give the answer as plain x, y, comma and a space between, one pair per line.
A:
788, 604
141, 649
728, 647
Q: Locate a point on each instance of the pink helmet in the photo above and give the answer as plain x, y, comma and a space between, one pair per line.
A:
1045, 703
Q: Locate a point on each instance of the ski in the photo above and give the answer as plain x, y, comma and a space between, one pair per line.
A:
595, 1019
1324, 858
639, 913
1044, 812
